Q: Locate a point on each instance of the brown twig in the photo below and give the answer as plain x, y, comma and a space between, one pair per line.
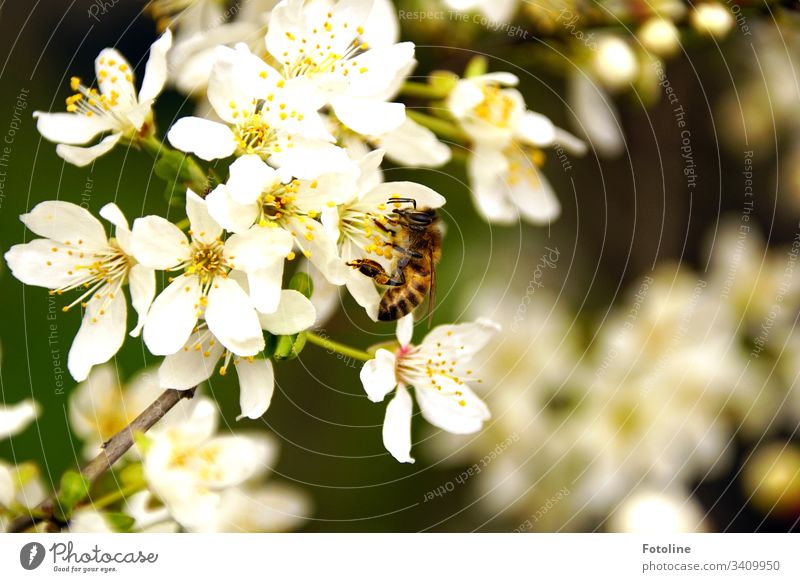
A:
113, 449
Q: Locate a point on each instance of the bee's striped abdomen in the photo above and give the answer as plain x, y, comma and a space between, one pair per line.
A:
399, 301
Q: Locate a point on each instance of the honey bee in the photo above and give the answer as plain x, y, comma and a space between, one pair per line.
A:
417, 242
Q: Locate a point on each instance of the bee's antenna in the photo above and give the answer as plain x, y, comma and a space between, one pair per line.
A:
403, 200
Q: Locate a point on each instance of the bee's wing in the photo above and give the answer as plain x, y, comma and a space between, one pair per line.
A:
432, 291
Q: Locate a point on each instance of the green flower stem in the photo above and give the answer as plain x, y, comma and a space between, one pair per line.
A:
440, 127
425, 90
183, 166
338, 348
119, 494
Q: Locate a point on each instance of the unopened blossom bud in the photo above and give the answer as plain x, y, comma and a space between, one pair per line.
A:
712, 19
660, 37
771, 478
615, 64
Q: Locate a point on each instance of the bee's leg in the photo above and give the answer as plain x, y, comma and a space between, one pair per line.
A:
374, 270
384, 228
412, 254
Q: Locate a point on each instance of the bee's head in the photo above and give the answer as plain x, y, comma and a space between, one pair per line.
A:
417, 219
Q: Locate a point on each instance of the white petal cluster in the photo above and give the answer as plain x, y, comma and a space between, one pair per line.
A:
440, 370
506, 151
115, 109
75, 255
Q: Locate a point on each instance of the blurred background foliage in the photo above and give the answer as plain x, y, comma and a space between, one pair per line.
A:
620, 218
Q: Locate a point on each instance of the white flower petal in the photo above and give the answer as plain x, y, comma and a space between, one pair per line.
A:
157, 243
232, 216
142, 282
249, 178
191, 365
172, 316
234, 459
100, 336
368, 116
86, 520
487, 167
66, 223
397, 426
256, 385
536, 129
265, 286
35, 263
465, 339
321, 250
464, 97
361, 288
204, 228
569, 142
443, 409
258, 248
155, 72
295, 313
115, 75
382, 27
271, 508
71, 128
114, 215
405, 329
7, 489
209, 140
239, 77
90, 401
83, 156
530, 192
378, 375
425, 197
232, 318
412, 144
379, 70
16, 417
596, 116
309, 159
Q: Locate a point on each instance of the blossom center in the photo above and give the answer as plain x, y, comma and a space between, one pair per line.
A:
256, 136
315, 55
368, 229
207, 261
497, 106
101, 278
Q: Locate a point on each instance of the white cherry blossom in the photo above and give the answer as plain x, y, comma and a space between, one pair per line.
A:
76, 254
410, 144
262, 113
255, 195
322, 42
188, 466
115, 109
360, 225
506, 149
439, 370
100, 406
196, 362
15, 418
204, 289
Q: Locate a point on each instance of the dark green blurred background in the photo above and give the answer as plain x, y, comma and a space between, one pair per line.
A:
613, 228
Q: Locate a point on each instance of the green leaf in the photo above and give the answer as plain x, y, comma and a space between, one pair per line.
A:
132, 474
73, 489
302, 282
476, 67
289, 347
119, 522
443, 82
